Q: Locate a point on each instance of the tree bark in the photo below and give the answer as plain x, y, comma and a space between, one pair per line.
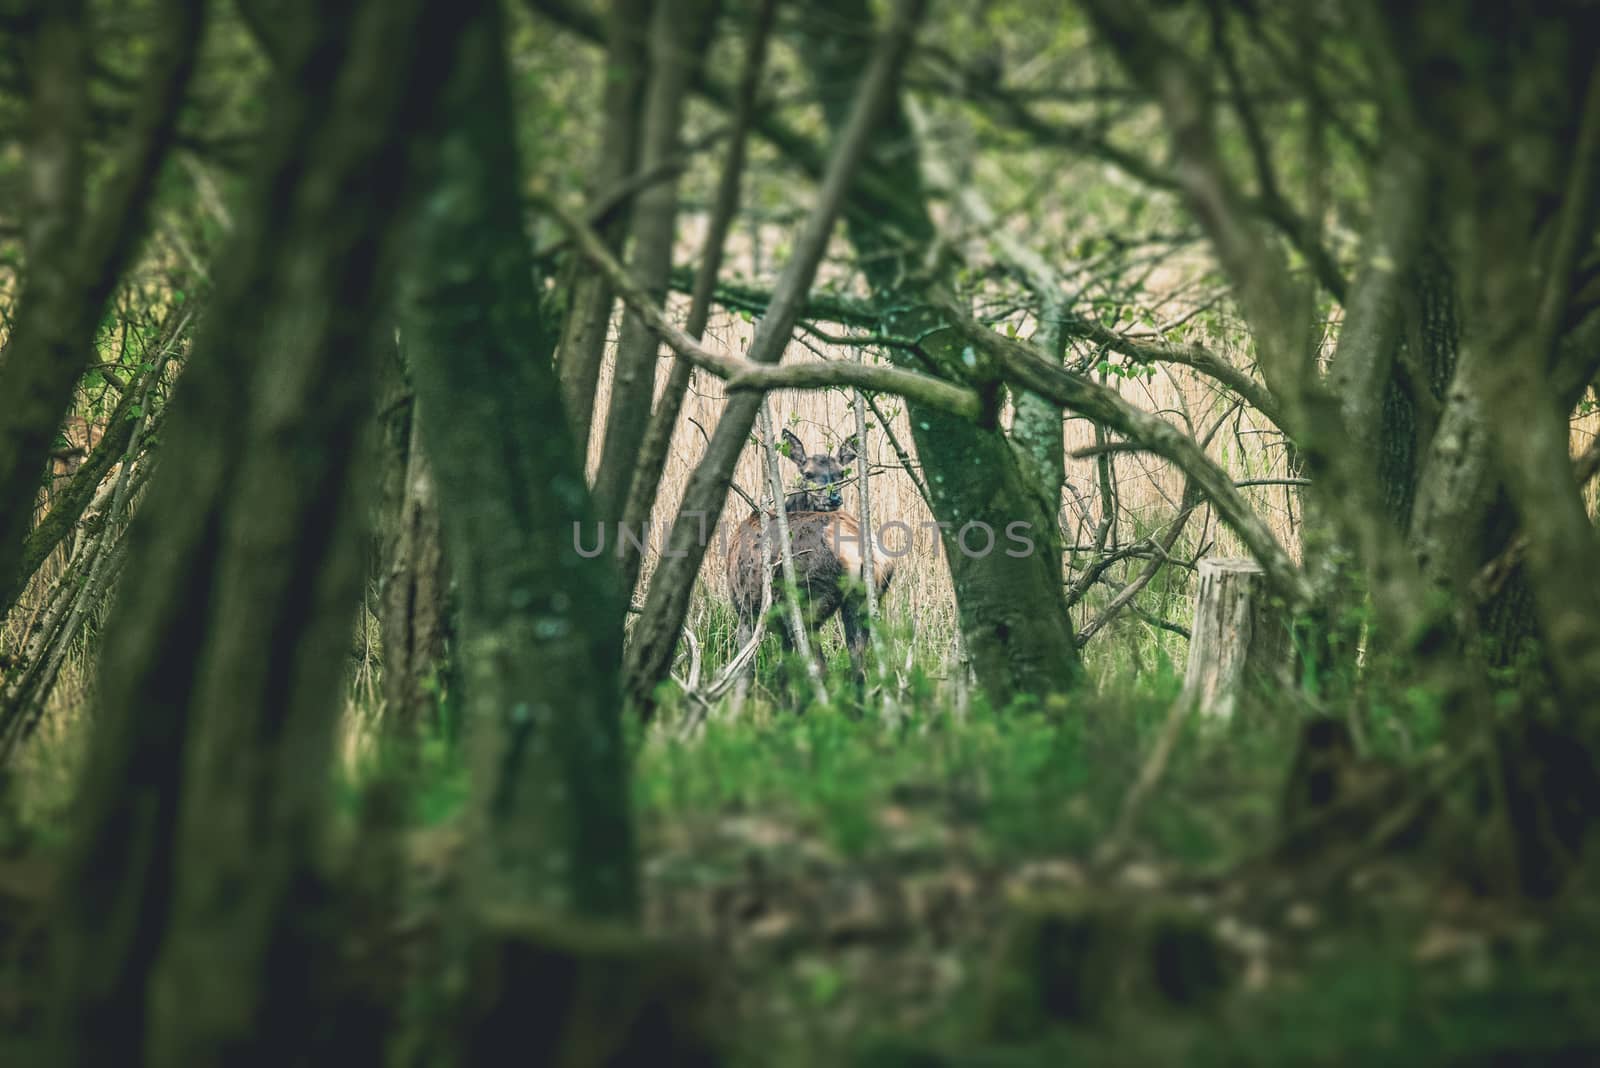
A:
184, 930
678, 40
413, 582
1013, 615
583, 336
541, 625
1239, 644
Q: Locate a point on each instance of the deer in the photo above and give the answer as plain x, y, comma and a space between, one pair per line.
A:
826, 544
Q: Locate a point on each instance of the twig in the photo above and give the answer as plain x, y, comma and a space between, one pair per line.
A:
869, 569
900, 453
25, 703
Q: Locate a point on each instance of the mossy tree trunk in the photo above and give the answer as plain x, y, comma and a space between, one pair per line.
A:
1408, 421
1012, 608
541, 626
187, 927
411, 577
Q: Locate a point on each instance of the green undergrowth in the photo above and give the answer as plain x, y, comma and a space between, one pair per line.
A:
1368, 1003
1034, 778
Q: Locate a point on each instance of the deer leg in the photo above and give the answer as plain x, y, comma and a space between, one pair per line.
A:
786, 675
741, 685
814, 632
854, 618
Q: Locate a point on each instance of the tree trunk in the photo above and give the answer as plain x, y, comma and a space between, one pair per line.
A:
1239, 645
583, 336
1413, 399
68, 504
678, 39
657, 442
1013, 613
185, 929
412, 580
656, 635
1036, 436
541, 626
75, 256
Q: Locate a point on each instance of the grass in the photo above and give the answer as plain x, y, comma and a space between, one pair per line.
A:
853, 871
1027, 780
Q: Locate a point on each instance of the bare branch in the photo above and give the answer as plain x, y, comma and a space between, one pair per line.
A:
650, 656
755, 374
664, 420
1020, 364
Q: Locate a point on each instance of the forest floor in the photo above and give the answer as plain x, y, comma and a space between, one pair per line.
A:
945, 890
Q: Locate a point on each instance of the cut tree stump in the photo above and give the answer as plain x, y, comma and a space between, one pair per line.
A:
1240, 641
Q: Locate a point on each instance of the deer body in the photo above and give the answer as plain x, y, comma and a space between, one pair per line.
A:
829, 558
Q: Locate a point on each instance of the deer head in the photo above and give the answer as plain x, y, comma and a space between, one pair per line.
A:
820, 475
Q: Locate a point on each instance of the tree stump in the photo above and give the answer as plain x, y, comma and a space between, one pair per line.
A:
1240, 641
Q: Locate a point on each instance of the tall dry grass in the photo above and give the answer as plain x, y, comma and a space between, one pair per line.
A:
1146, 495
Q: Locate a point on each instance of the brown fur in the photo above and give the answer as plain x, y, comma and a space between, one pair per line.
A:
827, 549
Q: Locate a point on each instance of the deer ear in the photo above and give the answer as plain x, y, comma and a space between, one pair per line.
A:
796, 451
847, 449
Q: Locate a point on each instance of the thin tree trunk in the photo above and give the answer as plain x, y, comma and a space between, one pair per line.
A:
22, 702
656, 635
678, 40
583, 337
67, 505
664, 421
